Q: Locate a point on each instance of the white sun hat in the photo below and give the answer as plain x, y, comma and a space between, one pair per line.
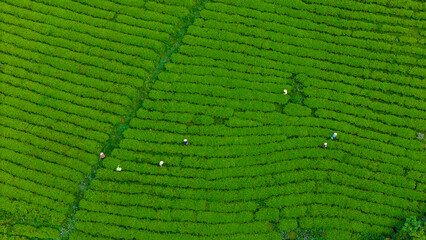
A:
161, 163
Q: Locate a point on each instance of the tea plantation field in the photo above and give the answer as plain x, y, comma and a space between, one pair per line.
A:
134, 78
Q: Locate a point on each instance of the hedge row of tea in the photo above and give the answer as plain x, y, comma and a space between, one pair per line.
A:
254, 165
70, 73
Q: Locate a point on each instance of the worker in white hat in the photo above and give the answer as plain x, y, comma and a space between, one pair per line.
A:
333, 136
285, 91
325, 145
161, 163
185, 142
118, 169
102, 155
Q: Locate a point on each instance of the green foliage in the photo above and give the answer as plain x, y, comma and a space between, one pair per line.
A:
297, 98
340, 101
293, 109
287, 225
38, 232
72, 72
13, 212
271, 214
305, 234
236, 122
413, 228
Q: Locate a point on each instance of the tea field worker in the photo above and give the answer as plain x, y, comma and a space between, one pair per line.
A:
325, 145
118, 169
185, 142
285, 91
161, 163
102, 155
333, 136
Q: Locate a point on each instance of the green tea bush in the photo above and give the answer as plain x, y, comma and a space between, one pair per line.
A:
293, 109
